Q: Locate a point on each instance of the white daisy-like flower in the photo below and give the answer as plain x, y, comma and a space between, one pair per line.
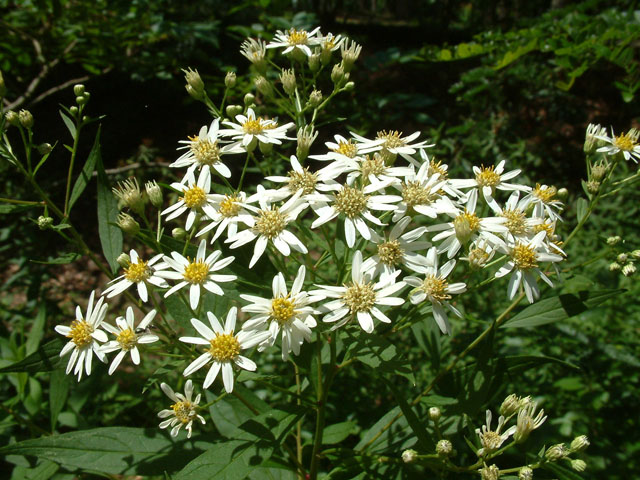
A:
373, 169
543, 200
195, 197
524, 259
197, 273
204, 151
139, 272
183, 412
492, 440
519, 226
341, 152
627, 143
84, 334
435, 288
397, 250
251, 129
488, 179
355, 204
528, 421
480, 254
359, 298
128, 336
270, 223
423, 193
224, 348
466, 227
391, 143
286, 312
330, 43
254, 50
226, 212
293, 39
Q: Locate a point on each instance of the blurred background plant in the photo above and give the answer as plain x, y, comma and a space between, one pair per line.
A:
486, 80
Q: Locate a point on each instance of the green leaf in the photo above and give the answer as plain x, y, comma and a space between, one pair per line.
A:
380, 354
87, 171
562, 472
559, 308
581, 209
58, 391
513, 55
521, 363
110, 234
44, 359
37, 330
418, 428
14, 207
63, 259
111, 450
70, 125
231, 412
337, 432
381, 437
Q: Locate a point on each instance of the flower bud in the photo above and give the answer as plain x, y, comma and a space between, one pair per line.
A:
128, 225
265, 148
179, 233
249, 98
562, 193
590, 140
510, 405
578, 465
12, 118
636, 254
314, 62
337, 73
73, 110
629, 269
123, 260
263, 86
349, 86
315, 98
233, 110
44, 148
598, 171
525, 473
444, 448
614, 240
306, 137
129, 195
230, 80
195, 85
288, 79
154, 192
26, 119
622, 258
490, 473
556, 452
44, 222
409, 456
614, 266
593, 187
579, 443
78, 90
434, 414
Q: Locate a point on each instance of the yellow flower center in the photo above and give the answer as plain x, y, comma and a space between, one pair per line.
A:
516, 221
270, 223
348, 149
253, 127
465, 225
297, 37
224, 348
196, 272
205, 151
137, 272
359, 297
544, 193
229, 207
478, 257
435, 287
390, 253
549, 228
488, 177
490, 440
194, 197
127, 339
624, 142
80, 333
183, 411
350, 201
282, 309
413, 193
373, 166
524, 257
305, 181
438, 168
392, 138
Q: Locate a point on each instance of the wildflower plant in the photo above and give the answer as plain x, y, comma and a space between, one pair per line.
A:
320, 258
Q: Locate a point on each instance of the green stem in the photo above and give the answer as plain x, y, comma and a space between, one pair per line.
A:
74, 152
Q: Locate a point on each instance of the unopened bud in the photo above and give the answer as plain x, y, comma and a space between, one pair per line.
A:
44, 222
556, 452
123, 260
249, 98
306, 137
265, 148
26, 119
12, 118
435, 414
578, 465
562, 193
409, 456
314, 62
636, 254
579, 443
593, 187
154, 192
349, 86
195, 85
263, 86
510, 405
629, 269
80, 100
78, 90
614, 240
128, 224
230, 80
598, 171
490, 473
233, 110
44, 148
614, 266
315, 98
525, 473
622, 258
179, 233
337, 73
444, 448
288, 79
73, 110
129, 195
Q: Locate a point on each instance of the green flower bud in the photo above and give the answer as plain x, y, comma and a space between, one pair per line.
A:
556, 452
525, 473
263, 86
444, 448
510, 405
265, 148
614, 240
315, 98
26, 119
179, 233
599, 170
129, 195
578, 465
230, 80
128, 224
195, 85
622, 258
12, 118
288, 79
337, 73
349, 86
614, 267
629, 269
123, 260
154, 192
306, 137
78, 90
636, 254
44, 148
74, 110
44, 222
562, 193
593, 187
490, 473
233, 110
409, 456
314, 63
435, 414
249, 98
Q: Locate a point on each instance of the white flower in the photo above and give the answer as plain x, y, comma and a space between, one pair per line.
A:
254, 50
195, 197
373, 169
625, 143
492, 440
527, 421
183, 411
355, 204
204, 151
488, 179
294, 39
543, 200
399, 249
466, 227
359, 297
524, 264
197, 273
226, 212
85, 334
392, 143
249, 130
288, 312
342, 151
519, 226
128, 337
223, 348
435, 288
270, 223
139, 272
